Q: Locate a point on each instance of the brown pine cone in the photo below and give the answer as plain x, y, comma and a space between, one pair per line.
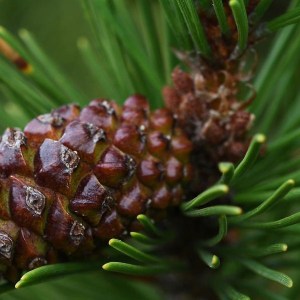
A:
75, 178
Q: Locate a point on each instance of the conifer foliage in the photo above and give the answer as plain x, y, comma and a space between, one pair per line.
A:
178, 189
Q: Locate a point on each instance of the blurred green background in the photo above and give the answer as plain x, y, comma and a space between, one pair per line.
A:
57, 25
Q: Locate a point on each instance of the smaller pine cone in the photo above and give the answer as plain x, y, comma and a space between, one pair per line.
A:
207, 109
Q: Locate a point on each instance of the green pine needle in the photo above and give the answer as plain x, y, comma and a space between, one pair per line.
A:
222, 19
215, 210
269, 250
291, 17
275, 197
133, 252
211, 260
285, 222
144, 239
137, 270
267, 273
241, 20
44, 273
227, 170
195, 28
221, 233
15, 44
250, 156
177, 23
50, 70
233, 294
205, 197
149, 225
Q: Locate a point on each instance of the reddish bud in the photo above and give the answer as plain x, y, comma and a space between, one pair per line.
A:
162, 120
68, 112
110, 226
182, 81
87, 139
161, 197
58, 168
65, 231
101, 114
136, 102
157, 144
13, 156
135, 111
177, 195
30, 251
130, 140
45, 126
91, 200
29, 204
240, 123
133, 202
114, 167
213, 132
174, 171
181, 147
149, 171
171, 98
110, 106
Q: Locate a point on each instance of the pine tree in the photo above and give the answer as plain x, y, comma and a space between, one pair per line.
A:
187, 196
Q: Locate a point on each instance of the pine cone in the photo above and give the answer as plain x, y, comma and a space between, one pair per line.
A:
207, 109
75, 178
